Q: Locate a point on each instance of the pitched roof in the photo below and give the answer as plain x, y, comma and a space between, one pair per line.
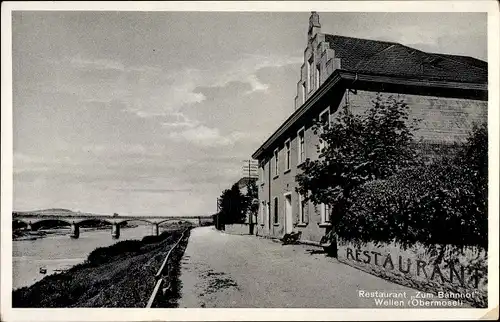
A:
384, 65
389, 58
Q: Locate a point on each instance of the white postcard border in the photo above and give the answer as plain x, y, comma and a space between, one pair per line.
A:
77, 314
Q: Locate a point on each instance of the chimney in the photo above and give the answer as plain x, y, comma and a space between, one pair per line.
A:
314, 26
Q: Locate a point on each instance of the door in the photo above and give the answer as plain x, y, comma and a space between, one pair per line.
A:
288, 213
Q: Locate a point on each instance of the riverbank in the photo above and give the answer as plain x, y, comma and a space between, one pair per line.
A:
121, 275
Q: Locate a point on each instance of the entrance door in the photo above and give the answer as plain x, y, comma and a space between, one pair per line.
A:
288, 213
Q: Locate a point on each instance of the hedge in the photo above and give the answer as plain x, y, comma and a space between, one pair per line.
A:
441, 203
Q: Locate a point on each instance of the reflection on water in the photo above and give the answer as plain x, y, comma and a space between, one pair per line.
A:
60, 252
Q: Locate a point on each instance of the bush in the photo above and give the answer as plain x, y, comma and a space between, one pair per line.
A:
150, 239
103, 255
443, 203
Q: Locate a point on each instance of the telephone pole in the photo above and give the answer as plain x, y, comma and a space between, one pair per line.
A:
250, 168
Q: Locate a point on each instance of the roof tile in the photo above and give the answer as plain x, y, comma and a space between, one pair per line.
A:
389, 58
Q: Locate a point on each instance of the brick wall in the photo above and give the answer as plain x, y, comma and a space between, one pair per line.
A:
443, 120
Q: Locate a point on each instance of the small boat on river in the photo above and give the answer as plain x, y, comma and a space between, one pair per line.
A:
43, 270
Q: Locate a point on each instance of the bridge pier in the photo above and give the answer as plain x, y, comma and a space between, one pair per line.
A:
115, 231
75, 231
155, 229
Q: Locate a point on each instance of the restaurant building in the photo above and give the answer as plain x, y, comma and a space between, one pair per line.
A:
447, 92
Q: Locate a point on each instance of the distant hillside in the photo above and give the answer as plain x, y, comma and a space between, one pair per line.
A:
53, 210
46, 211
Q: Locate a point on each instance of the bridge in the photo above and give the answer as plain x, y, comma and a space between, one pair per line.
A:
75, 219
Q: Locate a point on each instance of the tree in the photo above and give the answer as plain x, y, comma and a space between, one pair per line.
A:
232, 206
357, 148
251, 195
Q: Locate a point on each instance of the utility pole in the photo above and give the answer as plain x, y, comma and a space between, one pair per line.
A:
250, 168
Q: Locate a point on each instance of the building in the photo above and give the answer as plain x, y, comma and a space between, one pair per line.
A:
448, 92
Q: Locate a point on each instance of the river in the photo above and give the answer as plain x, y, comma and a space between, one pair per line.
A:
61, 252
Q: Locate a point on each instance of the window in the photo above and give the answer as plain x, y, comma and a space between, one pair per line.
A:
302, 209
325, 213
275, 210
262, 174
324, 119
301, 147
304, 92
310, 75
276, 162
318, 79
287, 155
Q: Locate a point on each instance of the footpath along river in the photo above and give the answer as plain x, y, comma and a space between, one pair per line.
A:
56, 252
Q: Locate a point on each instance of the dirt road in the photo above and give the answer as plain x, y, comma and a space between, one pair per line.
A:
219, 270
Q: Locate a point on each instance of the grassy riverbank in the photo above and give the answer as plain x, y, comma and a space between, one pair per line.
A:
121, 275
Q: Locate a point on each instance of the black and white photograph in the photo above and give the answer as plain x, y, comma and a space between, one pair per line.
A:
164, 157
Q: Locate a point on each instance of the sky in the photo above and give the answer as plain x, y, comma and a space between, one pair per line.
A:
152, 113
